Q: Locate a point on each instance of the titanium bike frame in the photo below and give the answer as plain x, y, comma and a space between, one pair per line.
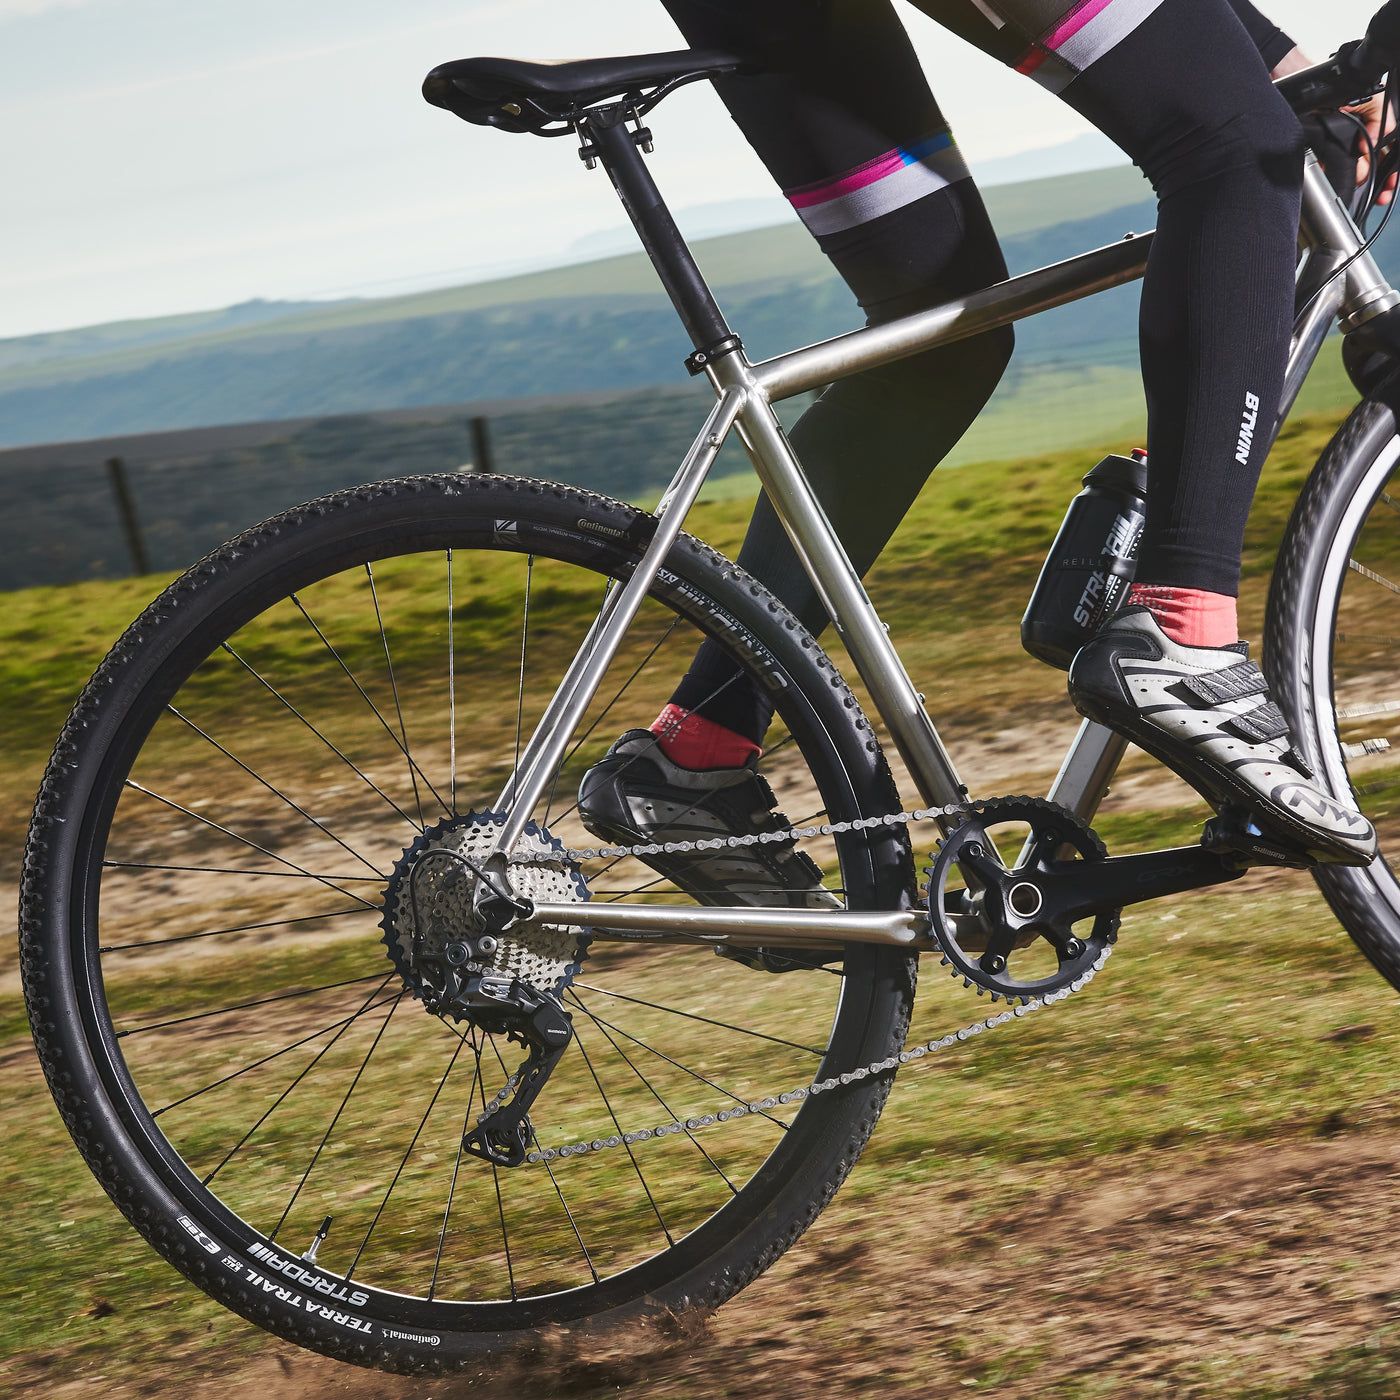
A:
746, 392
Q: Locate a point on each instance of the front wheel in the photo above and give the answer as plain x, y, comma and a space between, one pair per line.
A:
1332, 654
222, 966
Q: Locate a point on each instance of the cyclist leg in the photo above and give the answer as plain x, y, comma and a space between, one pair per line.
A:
1183, 87
842, 116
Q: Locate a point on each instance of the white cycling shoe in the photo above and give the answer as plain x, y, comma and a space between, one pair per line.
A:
1205, 712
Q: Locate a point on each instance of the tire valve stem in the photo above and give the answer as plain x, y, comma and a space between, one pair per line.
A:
319, 1239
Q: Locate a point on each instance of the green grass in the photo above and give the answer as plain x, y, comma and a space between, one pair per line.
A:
1207, 1031
52, 638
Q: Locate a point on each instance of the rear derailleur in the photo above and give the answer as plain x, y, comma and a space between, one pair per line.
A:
535, 1020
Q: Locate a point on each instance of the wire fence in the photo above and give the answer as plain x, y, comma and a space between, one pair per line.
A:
159, 501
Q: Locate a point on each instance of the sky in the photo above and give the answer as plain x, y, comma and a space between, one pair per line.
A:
162, 156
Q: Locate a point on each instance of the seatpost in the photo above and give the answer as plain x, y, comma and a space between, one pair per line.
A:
617, 150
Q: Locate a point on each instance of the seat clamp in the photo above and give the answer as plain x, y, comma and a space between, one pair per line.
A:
699, 360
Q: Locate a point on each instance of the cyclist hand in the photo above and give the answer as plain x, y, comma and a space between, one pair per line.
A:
1370, 114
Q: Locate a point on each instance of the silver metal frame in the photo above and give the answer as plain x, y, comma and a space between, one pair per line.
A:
746, 393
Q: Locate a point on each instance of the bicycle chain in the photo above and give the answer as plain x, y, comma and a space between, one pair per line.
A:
740, 1109
718, 843
817, 1086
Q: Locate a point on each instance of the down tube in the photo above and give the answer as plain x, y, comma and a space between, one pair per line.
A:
843, 594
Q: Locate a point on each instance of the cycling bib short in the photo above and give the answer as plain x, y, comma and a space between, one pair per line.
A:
840, 112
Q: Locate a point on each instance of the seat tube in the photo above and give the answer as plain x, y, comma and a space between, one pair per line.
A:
841, 590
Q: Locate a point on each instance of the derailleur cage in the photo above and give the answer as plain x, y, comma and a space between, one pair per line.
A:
536, 1020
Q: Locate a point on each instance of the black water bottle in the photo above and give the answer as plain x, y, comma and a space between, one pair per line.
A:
1091, 564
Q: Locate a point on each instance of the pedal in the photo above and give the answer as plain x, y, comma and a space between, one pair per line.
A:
1234, 831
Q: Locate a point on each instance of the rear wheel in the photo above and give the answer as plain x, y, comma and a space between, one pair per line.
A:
1332, 648
224, 1002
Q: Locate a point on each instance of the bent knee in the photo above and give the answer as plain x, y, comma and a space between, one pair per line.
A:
1260, 145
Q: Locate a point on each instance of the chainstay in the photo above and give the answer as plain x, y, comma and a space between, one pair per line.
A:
763, 1107
594, 853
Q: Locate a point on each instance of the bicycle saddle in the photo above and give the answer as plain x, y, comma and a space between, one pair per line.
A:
517, 95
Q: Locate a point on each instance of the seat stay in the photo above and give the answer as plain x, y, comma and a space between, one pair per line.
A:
534, 774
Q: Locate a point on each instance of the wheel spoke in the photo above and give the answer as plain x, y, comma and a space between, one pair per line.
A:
621, 1132
384, 723
335, 1118
637, 757
558, 1190
666, 1108
456, 1169
276, 792
705, 1020
367, 1005
244, 1006
1373, 576
275, 1055
348, 762
328, 882
398, 708
219, 932
1380, 707
297, 874
622, 690
408, 1152
607, 1026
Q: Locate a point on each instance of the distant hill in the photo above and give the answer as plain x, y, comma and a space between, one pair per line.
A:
596, 326
90, 342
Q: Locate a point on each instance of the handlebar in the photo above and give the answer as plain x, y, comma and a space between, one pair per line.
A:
1354, 72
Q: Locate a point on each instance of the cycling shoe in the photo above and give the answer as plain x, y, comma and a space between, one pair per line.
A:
1205, 712
636, 795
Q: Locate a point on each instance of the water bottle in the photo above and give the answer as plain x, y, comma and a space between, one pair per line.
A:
1091, 564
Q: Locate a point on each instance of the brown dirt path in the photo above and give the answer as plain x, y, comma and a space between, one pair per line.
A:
1242, 1271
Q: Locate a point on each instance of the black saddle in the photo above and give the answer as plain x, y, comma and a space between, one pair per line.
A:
519, 96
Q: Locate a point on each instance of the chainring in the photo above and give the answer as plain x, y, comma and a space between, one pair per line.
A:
979, 929
428, 915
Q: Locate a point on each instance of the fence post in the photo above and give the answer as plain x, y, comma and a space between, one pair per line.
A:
126, 508
482, 460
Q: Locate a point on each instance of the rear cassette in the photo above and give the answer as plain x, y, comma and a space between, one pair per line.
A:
430, 930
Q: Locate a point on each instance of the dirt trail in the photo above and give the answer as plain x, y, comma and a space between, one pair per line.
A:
1206, 1276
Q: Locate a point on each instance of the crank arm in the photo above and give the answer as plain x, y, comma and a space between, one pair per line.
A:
1077, 891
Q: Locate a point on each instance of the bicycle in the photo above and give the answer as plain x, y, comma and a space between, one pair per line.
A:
270, 1089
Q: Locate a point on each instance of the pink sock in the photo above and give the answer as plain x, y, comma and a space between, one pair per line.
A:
1190, 616
694, 742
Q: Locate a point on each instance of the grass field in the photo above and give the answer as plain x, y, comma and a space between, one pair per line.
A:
1180, 1183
